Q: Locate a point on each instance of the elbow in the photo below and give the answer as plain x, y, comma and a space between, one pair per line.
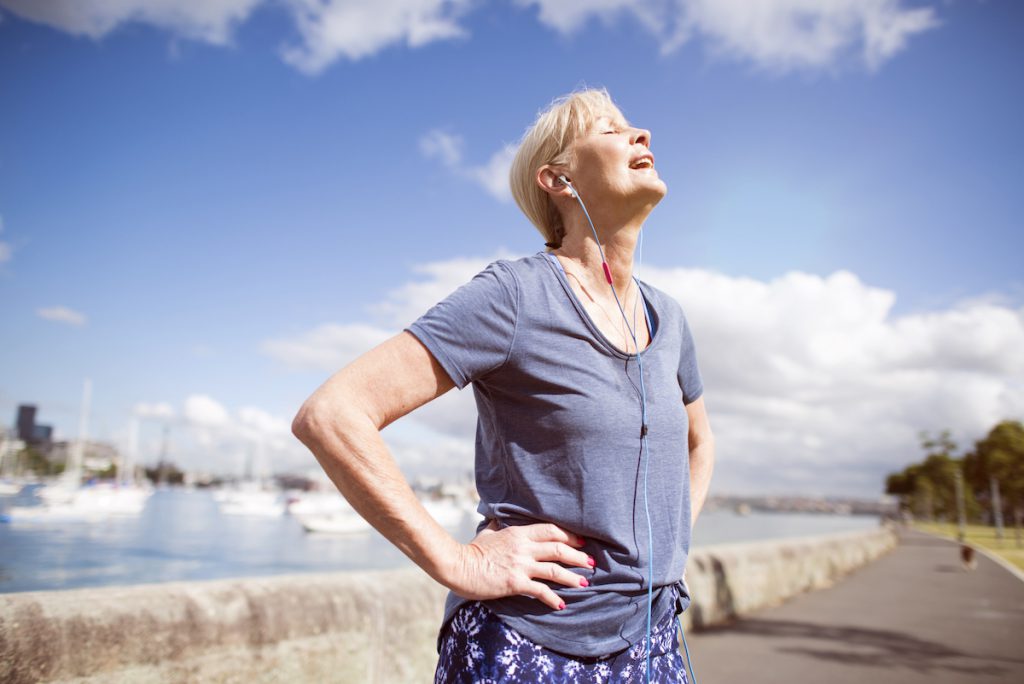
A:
304, 425
319, 421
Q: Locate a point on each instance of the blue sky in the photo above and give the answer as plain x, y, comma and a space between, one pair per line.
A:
208, 208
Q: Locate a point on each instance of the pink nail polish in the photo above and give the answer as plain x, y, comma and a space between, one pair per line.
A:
561, 606
590, 561
584, 582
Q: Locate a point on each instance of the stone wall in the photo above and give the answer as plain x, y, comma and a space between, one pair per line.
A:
341, 627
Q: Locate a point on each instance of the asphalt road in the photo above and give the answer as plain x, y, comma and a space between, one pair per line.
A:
914, 615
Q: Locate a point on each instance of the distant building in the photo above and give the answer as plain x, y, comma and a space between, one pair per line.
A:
28, 431
26, 422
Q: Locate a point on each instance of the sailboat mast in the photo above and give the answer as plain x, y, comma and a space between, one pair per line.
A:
127, 474
73, 469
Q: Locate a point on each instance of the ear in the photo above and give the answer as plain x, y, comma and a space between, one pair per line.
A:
547, 179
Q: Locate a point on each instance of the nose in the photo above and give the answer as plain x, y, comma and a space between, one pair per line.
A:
642, 136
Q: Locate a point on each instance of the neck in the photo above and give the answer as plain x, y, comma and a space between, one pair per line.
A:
618, 244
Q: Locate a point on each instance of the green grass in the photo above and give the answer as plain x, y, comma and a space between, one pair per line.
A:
983, 536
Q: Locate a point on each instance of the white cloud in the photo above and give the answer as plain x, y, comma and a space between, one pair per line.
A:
62, 314
569, 16
420, 450
355, 29
783, 35
331, 346
258, 420
409, 301
774, 35
205, 411
205, 435
256, 425
159, 410
328, 347
209, 21
816, 376
492, 176
437, 144
812, 384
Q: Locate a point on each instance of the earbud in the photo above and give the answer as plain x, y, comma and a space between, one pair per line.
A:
566, 183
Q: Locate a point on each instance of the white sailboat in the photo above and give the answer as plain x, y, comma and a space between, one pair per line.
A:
332, 514
335, 523
249, 498
68, 499
253, 496
446, 511
327, 512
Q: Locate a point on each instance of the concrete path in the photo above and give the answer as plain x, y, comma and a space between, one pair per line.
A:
914, 615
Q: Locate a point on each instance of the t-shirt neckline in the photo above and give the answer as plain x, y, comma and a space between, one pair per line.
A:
655, 323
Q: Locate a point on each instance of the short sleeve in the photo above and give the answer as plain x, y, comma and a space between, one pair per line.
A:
689, 373
471, 331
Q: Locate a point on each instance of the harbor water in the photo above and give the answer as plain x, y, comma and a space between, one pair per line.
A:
183, 535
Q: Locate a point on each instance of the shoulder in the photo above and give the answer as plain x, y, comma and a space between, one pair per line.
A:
520, 272
499, 274
523, 268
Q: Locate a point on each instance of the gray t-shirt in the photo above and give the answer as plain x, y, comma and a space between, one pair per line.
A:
558, 440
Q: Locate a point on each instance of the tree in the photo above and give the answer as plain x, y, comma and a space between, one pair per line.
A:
1000, 455
34, 461
928, 488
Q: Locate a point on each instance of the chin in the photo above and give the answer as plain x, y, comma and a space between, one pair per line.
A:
657, 189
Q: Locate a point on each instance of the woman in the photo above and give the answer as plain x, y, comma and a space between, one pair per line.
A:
590, 476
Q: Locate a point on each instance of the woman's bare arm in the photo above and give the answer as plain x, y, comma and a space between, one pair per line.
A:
341, 423
702, 456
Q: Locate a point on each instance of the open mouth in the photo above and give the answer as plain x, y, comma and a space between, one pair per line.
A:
645, 162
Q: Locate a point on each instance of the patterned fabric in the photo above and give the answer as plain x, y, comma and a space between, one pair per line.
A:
478, 648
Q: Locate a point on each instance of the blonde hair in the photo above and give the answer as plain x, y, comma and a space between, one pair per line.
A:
550, 141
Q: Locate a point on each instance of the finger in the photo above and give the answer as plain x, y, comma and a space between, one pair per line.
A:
563, 553
545, 594
553, 572
543, 532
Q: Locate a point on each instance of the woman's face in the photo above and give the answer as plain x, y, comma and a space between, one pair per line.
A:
613, 162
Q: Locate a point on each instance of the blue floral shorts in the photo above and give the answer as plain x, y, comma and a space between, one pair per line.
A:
478, 648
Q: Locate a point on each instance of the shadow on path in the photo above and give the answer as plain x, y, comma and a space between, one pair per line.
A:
881, 648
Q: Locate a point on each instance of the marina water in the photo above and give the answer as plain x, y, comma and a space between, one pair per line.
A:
183, 535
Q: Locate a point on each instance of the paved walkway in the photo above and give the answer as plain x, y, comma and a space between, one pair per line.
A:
914, 615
